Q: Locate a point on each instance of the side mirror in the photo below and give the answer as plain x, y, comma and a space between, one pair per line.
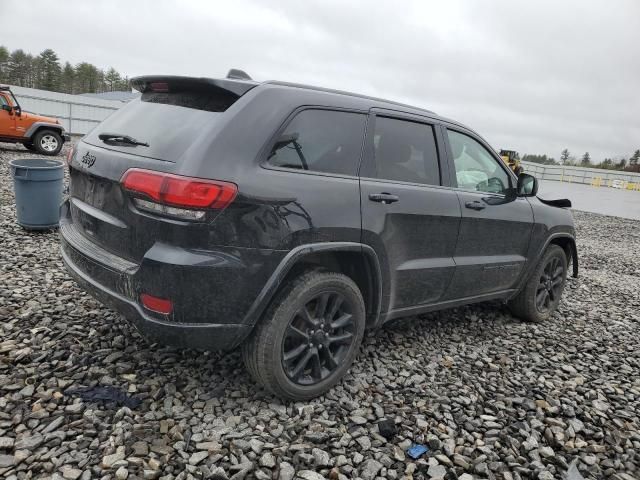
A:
527, 185
6, 107
17, 111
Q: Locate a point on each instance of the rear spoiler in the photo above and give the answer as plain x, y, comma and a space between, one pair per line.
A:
169, 83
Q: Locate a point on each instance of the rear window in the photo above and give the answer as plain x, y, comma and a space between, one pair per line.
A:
168, 122
321, 141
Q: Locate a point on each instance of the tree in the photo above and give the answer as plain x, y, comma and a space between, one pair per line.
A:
4, 63
87, 78
564, 156
19, 68
586, 160
45, 72
635, 158
112, 79
67, 78
621, 164
49, 70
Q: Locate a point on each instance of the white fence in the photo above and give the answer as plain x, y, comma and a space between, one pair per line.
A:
589, 176
77, 114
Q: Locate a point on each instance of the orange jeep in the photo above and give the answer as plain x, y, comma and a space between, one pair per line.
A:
40, 134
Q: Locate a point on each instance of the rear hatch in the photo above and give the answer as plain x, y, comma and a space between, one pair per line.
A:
151, 134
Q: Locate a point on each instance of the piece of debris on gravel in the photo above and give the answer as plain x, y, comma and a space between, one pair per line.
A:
488, 395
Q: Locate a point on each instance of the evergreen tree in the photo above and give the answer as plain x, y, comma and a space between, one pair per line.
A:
19, 68
635, 158
112, 79
586, 160
49, 71
67, 78
4, 64
564, 156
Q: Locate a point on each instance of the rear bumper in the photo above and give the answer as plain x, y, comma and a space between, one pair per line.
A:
212, 292
205, 336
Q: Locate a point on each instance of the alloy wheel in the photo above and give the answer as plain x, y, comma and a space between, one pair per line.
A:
49, 143
550, 285
318, 338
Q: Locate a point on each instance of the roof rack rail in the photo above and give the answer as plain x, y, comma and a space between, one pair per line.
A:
237, 74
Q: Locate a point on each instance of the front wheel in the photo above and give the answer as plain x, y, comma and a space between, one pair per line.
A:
541, 295
47, 142
308, 337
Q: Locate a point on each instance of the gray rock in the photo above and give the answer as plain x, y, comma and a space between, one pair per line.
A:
370, 469
198, 457
437, 472
287, 472
28, 442
309, 475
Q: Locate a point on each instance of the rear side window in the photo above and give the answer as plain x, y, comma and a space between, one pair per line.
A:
405, 151
321, 141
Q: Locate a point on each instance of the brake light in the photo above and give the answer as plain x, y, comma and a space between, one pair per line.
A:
156, 304
178, 191
159, 87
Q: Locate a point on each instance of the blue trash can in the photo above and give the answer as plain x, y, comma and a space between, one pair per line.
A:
38, 187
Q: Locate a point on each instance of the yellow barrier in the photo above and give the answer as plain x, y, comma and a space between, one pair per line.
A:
596, 182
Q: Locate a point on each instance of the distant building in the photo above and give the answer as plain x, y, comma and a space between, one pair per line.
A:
114, 96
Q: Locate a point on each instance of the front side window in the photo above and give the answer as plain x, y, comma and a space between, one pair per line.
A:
321, 141
3, 101
476, 168
405, 151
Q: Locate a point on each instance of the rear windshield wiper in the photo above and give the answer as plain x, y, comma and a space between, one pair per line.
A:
119, 138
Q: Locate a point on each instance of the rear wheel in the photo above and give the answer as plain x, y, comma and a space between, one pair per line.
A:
47, 142
541, 295
309, 336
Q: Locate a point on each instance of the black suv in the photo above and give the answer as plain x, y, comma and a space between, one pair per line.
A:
288, 219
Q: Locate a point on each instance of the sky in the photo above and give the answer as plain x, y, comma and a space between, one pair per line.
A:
532, 76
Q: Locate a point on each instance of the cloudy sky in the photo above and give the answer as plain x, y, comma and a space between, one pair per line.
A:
535, 76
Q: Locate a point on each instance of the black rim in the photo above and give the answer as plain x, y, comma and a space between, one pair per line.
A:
549, 288
318, 338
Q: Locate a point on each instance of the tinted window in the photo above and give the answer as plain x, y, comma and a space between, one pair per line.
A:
3, 101
476, 168
321, 141
168, 122
405, 151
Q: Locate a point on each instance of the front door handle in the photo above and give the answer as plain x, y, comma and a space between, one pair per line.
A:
383, 197
475, 205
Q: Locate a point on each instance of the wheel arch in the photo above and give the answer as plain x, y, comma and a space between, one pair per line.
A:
564, 240
568, 244
36, 127
359, 262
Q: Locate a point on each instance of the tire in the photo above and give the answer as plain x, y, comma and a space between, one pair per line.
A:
285, 331
546, 282
47, 142
29, 146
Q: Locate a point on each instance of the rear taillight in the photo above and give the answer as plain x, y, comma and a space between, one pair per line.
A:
177, 196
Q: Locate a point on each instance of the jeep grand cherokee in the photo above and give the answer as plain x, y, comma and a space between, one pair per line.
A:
287, 219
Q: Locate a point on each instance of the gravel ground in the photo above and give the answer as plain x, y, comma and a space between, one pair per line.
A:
491, 397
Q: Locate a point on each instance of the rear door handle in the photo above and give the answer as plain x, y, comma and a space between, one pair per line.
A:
475, 205
383, 197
